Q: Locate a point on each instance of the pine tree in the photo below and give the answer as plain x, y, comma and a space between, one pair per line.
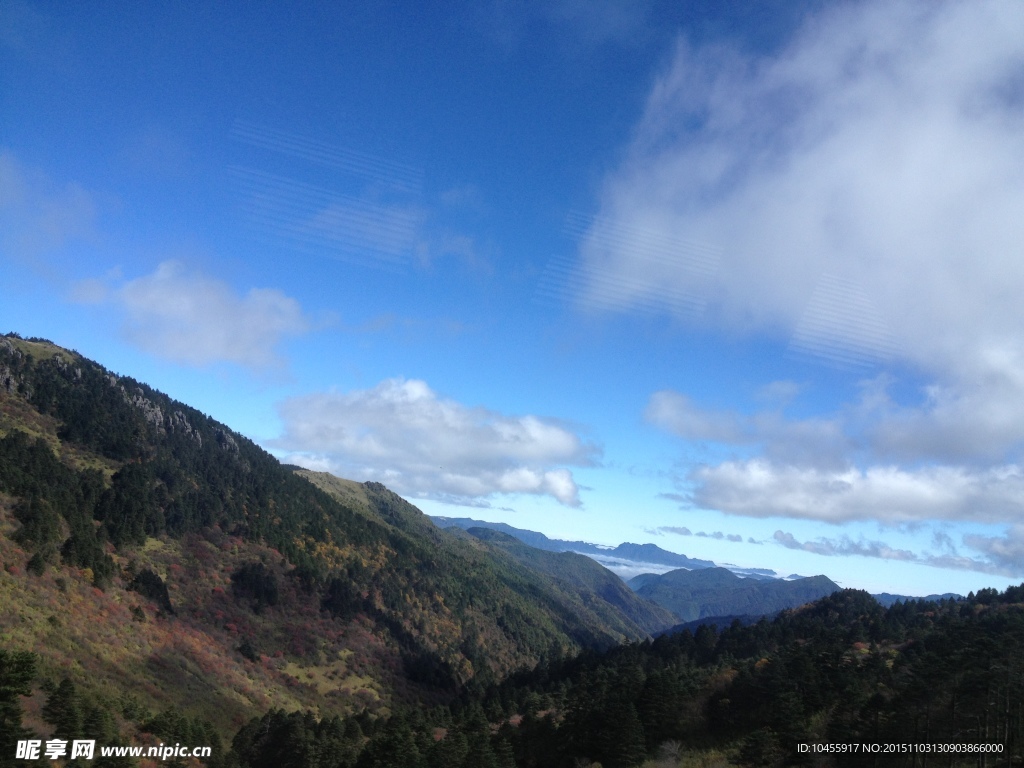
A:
17, 670
63, 711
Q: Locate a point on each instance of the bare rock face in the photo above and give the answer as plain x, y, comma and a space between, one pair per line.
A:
151, 412
10, 381
178, 422
65, 367
226, 441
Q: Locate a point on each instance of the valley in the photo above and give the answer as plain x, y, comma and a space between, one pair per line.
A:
164, 578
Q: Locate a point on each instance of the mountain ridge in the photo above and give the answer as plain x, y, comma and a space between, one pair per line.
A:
647, 553
283, 594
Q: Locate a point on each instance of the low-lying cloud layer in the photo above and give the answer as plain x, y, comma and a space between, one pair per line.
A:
403, 434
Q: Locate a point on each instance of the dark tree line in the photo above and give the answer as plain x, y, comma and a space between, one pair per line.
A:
841, 670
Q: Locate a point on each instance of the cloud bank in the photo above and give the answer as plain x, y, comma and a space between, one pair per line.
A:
403, 434
861, 187
860, 190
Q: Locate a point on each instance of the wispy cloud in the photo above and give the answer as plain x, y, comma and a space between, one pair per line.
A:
861, 186
190, 318
624, 22
1004, 555
679, 530
663, 254
1006, 552
684, 531
402, 433
342, 203
381, 171
38, 216
324, 222
821, 441
583, 25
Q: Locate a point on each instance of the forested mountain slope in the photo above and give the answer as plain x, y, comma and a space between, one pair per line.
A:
692, 595
145, 547
589, 587
920, 683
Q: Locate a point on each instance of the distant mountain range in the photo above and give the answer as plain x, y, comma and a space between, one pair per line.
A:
886, 599
639, 564
694, 589
634, 554
707, 592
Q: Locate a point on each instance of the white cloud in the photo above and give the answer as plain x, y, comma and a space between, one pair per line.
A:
1006, 552
401, 433
862, 188
975, 420
196, 320
759, 488
819, 441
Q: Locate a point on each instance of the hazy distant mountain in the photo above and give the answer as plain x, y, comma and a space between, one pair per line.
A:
719, 592
887, 599
636, 553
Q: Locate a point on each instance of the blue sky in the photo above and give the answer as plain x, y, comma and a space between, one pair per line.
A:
740, 280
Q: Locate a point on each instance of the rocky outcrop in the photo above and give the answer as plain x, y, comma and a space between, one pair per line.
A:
154, 414
226, 441
151, 412
10, 381
178, 422
65, 366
